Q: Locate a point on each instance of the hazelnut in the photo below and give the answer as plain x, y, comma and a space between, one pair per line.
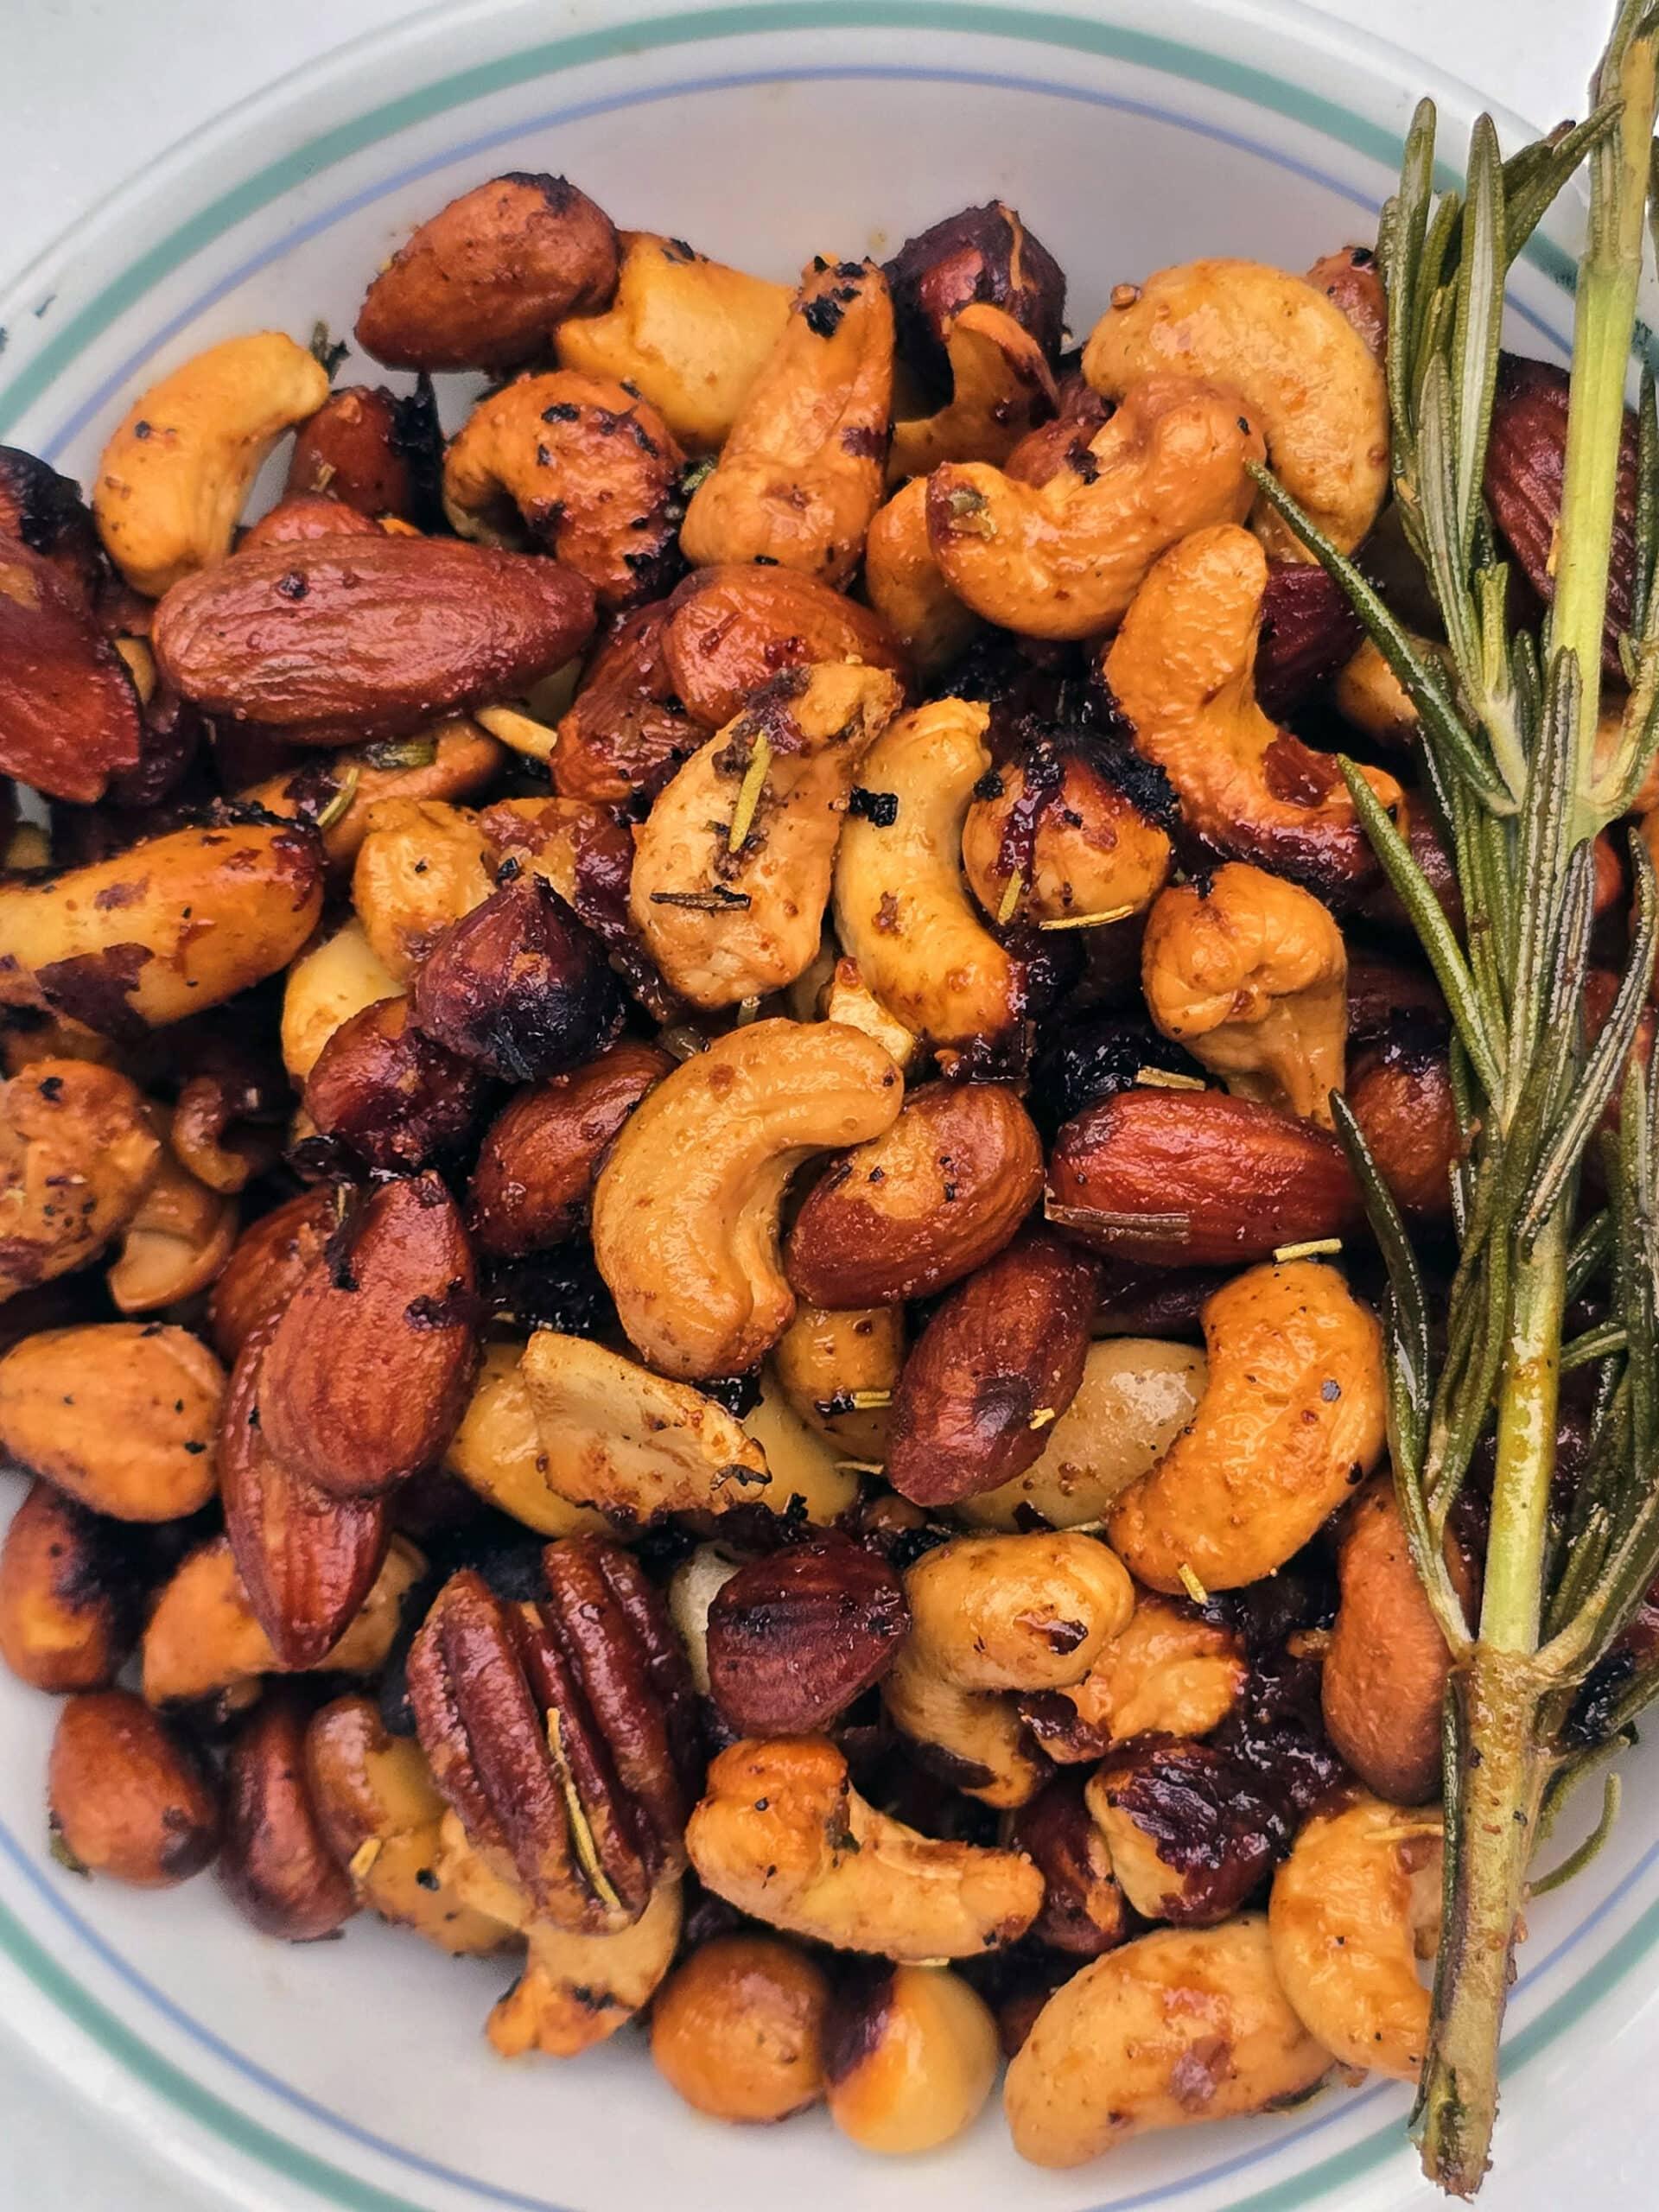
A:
126, 1797
909, 2058
738, 2030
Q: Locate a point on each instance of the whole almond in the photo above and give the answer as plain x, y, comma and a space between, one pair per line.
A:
347, 640
69, 715
625, 732
367, 1373
540, 1158
794, 1637
731, 626
267, 1265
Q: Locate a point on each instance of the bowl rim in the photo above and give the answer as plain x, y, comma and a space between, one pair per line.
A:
1334, 64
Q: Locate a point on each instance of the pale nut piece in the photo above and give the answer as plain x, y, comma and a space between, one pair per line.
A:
686, 1211
325, 987
422, 864
907, 586
172, 481
826, 1363
910, 2057
176, 1243
690, 333
973, 1741
1291, 1420
812, 1478
77, 1154
1354, 1909
732, 868
1367, 693
122, 943
802, 470
577, 1990
737, 2031
1063, 558
497, 1450
126, 1796
1169, 1673
1001, 386
1307, 377
1064, 841
782, 1834
692, 1589
1181, 2025
68, 1607
902, 910
1251, 974
122, 1415
848, 998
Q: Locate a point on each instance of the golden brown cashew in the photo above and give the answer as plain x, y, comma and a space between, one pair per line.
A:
1291, 1419
689, 333
802, 471
1180, 2025
68, 1130
576, 1991
686, 1210
178, 1240
167, 928
732, 868
1251, 974
1354, 1908
421, 865
1090, 851
902, 910
782, 1834
1182, 669
325, 987
497, 1450
1001, 386
1169, 1673
1064, 558
906, 586
173, 479
1307, 375
452, 760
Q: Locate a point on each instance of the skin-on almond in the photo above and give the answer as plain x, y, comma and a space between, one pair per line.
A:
276, 1865
68, 713
367, 1373
625, 732
539, 1161
999, 1361
1183, 1178
921, 1206
127, 1798
376, 452
347, 639
269, 1262
730, 627
794, 1637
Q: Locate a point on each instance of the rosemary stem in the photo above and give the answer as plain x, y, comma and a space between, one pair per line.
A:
1509, 1611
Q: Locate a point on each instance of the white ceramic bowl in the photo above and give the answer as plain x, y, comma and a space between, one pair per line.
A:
1132, 133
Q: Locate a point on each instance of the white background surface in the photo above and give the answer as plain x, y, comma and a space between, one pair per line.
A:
95, 89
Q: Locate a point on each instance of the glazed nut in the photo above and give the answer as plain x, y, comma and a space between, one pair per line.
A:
267, 1265
909, 2058
802, 469
732, 868
374, 451
729, 628
794, 1637
689, 334
339, 794
1400, 1096
173, 479
176, 1243
69, 715
202, 1636
497, 1450
625, 731
1181, 2025
1000, 1358
1084, 1913
275, 1864
782, 1835
120, 1414
1354, 1908
1063, 557
345, 639
423, 865
1065, 839
578, 466
696, 1180
1175, 1179
69, 1127
533, 1185
919, 1207
41, 509
1168, 1673
1306, 375
1189, 1842
562, 1732
69, 1610
907, 586
1000, 387
577, 1990
1291, 1419
301, 521
738, 2029
1309, 632
369, 1368
518, 987
836, 1371
980, 254
1249, 973
120, 945
325, 986
1350, 278
126, 1797
389, 1093
482, 284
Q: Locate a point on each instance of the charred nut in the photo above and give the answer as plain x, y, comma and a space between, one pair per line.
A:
68, 1603
577, 1990
1084, 1913
77, 1154
980, 254
537, 1167
121, 1415
909, 2058
69, 717
728, 629
390, 1093
275, 1864
374, 451
1188, 1843
127, 1798
793, 1638
738, 2029
517, 985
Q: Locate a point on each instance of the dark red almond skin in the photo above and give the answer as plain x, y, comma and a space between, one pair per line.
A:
1196, 1179
1308, 631
625, 732
1006, 1345
796, 1636
344, 640
378, 452
275, 1863
391, 1095
267, 1265
731, 626
541, 1156
69, 716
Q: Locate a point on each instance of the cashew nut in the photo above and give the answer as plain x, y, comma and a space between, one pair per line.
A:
178, 1240
1291, 1418
325, 987
421, 865
576, 1991
173, 479
1182, 670
78, 1152
782, 1834
732, 868
1062, 840
1064, 558
825, 1362
848, 998
1183, 2025
802, 470
1354, 1908
686, 1211
497, 1450
906, 586
121, 1415
1307, 375
1251, 974
452, 760
1001, 386
1168, 1673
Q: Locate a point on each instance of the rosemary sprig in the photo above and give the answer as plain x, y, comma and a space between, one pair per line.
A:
1508, 730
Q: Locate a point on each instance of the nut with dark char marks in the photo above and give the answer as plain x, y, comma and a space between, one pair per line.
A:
276, 1865
909, 2058
517, 985
795, 1637
267, 1265
1188, 1839
376, 452
731, 626
625, 731
1084, 1913
127, 1798
69, 716
1001, 1357
1308, 631
981, 254
69, 1594
533, 1185
481, 284
45, 511
390, 1093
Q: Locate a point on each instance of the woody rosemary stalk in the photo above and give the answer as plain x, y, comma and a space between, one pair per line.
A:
1512, 777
